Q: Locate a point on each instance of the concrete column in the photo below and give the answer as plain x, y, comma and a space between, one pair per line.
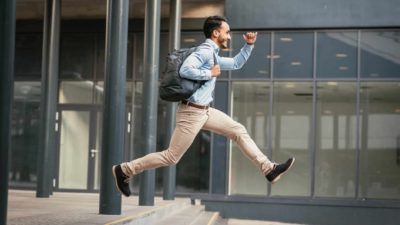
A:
48, 104
150, 95
7, 43
114, 102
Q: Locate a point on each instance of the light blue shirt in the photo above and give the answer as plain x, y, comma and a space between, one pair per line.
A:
198, 67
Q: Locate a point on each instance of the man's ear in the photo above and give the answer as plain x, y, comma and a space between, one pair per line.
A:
215, 33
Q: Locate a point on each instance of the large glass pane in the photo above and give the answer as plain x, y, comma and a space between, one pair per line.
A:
76, 92
28, 56
335, 166
293, 55
291, 135
77, 57
25, 122
74, 144
380, 140
380, 54
250, 108
337, 55
258, 65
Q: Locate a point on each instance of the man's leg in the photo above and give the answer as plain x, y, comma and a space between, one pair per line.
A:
223, 124
189, 121
220, 123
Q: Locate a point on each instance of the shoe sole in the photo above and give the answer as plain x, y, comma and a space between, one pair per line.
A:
278, 177
116, 182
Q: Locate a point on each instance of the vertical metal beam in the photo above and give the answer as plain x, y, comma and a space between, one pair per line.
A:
51, 45
150, 93
114, 102
7, 43
169, 179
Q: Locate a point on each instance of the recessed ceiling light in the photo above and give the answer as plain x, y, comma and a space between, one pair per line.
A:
189, 40
341, 55
343, 68
286, 39
332, 83
295, 63
289, 85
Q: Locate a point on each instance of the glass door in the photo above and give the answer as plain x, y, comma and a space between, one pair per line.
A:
79, 153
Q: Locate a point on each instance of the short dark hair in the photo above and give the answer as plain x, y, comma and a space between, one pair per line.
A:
212, 23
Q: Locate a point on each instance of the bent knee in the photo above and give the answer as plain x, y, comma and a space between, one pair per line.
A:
170, 158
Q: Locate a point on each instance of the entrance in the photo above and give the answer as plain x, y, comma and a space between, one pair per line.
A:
79, 143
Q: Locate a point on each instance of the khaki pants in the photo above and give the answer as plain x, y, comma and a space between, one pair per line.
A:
189, 121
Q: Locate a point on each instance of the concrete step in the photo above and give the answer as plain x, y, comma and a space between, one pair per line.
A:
192, 215
206, 218
152, 216
182, 217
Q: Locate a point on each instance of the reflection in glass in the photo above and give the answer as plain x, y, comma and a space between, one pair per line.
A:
337, 55
77, 92
250, 108
335, 167
25, 122
293, 55
380, 54
258, 65
76, 57
292, 113
380, 140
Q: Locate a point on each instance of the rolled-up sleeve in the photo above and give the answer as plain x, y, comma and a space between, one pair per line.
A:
238, 61
194, 66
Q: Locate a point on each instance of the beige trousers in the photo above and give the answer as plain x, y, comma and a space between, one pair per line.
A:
189, 121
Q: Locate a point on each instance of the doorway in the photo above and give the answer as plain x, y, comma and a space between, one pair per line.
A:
79, 142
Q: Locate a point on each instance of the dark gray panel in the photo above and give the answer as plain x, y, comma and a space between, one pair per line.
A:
312, 13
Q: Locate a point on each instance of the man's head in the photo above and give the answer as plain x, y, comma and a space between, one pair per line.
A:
217, 29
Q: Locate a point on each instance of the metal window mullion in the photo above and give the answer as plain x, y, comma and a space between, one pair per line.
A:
271, 100
358, 135
313, 139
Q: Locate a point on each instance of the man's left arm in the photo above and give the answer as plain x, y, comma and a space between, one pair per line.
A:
240, 59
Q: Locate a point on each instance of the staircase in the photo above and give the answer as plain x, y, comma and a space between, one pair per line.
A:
182, 213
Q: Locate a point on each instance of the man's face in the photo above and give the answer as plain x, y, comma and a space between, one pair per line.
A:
223, 35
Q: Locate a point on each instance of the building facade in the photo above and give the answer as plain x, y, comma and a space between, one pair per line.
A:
322, 85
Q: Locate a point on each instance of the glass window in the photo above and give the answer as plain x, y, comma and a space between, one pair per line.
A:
335, 167
138, 57
77, 57
292, 113
380, 140
250, 108
28, 56
25, 122
258, 65
380, 54
293, 55
337, 55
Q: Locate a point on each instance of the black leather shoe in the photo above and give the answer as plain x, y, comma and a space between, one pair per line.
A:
121, 180
279, 170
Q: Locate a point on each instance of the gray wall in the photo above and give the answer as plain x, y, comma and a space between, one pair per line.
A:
312, 13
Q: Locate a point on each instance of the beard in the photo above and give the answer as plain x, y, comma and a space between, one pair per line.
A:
222, 42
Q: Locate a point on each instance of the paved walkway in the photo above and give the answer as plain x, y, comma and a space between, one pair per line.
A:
83, 209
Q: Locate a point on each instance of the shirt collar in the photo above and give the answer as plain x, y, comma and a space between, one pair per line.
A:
213, 44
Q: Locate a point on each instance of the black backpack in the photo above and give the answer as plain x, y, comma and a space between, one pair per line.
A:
173, 87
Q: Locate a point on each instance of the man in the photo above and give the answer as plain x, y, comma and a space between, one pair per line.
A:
195, 113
